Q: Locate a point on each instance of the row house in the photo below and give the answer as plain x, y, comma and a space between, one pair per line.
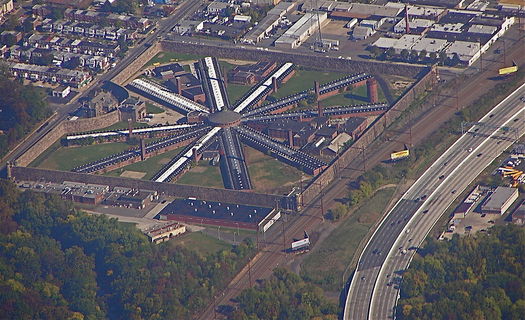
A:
33, 72
70, 45
130, 22
87, 30
60, 58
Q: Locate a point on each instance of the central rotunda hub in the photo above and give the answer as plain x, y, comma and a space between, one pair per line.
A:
224, 119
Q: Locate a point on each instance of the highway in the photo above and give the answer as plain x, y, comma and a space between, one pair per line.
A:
164, 26
374, 289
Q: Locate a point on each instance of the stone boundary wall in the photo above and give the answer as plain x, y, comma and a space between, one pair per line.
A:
66, 127
168, 189
137, 64
371, 133
311, 61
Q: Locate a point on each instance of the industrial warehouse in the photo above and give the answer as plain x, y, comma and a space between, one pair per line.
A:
193, 211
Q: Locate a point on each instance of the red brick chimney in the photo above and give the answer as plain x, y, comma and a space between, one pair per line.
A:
274, 84
371, 88
142, 150
130, 128
317, 90
290, 138
319, 110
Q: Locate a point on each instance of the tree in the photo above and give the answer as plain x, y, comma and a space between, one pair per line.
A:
433, 57
390, 53
404, 54
375, 51
423, 54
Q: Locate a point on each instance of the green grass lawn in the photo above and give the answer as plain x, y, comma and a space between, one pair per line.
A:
204, 175
200, 242
66, 158
269, 174
236, 91
327, 263
150, 166
304, 79
165, 57
152, 108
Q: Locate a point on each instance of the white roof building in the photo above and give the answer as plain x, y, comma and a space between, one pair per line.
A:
448, 27
467, 52
430, 45
483, 29
385, 43
407, 41
413, 24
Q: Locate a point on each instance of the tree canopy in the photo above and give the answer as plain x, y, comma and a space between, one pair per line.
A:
284, 296
21, 108
480, 277
59, 263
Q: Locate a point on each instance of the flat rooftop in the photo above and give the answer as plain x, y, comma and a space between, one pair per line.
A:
217, 210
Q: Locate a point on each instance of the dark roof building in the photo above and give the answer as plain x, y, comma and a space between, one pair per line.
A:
168, 71
230, 215
249, 74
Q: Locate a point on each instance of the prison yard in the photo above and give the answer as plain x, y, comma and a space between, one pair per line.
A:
268, 175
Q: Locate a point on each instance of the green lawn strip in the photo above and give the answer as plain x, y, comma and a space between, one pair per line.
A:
165, 57
66, 159
44, 155
204, 175
304, 79
152, 108
269, 174
236, 91
150, 166
326, 265
200, 242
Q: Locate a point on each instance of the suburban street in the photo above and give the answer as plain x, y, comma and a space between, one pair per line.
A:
375, 286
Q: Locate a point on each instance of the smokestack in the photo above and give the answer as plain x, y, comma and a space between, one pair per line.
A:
130, 129
317, 90
195, 155
371, 88
274, 84
142, 150
319, 110
225, 77
179, 89
290, 138
407, 25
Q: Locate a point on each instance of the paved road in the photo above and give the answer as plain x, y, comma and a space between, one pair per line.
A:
164, 26
374, 290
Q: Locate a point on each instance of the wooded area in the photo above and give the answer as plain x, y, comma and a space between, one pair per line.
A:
59, 263
284, 296
478, 277
21, 108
